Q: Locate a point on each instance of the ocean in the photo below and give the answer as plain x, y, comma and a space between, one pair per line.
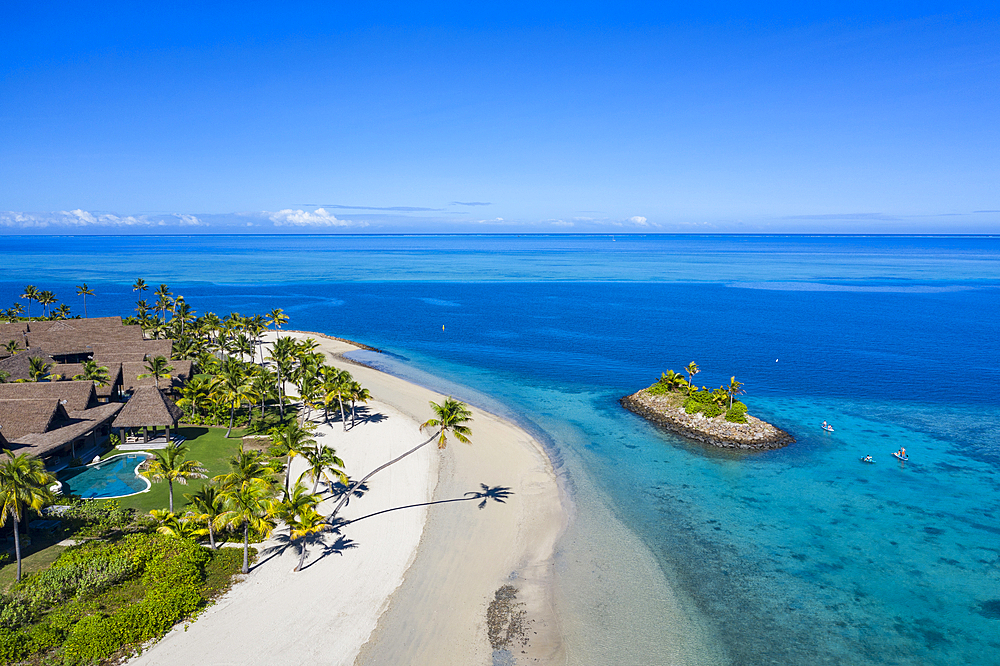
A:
802, 555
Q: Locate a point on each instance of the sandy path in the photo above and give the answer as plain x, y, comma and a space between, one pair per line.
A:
358, 600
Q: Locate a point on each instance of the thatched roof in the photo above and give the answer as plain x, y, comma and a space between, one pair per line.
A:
76, 336
70, 370
148, 349
18, 365
148, 407
79, 424
78, 395
180, 375
15, 332
21, 417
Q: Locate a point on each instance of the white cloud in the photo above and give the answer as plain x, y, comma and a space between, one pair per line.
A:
635, 221
82, 219
561, 223
303, 218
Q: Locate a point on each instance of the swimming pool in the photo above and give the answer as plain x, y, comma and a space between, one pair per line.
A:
114, 477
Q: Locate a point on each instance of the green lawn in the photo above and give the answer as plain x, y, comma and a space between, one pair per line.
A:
207, 445
39, 555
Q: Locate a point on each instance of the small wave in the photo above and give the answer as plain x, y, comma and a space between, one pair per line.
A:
438, 301
819, 286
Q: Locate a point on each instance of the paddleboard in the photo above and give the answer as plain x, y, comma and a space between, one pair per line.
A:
828, 428
899, 457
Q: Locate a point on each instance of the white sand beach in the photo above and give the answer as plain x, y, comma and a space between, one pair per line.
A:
414, 585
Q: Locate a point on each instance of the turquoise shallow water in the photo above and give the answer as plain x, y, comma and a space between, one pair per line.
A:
797, 556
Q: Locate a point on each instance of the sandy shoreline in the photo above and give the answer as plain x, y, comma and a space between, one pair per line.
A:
416, 586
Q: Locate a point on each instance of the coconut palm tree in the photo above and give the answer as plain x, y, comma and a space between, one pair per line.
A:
692, 370
294, 504
452, 415
277, 318
61, 312
282, 355
233, 388
247, 507
46, 298
294, 439
96, 373
245, 466
24, 485
158, 369
38, 369
323, 464
140, 285
307, 526
673, 379
735, 388
12, 347
31, 293
169, 465
83, 290
183, 314
179, 527
358, 394
209, 504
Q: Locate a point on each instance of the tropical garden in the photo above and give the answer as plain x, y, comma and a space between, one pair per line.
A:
711, 403
143, 563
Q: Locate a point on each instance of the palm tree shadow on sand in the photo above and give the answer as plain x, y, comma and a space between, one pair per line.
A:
282, 542
487, 493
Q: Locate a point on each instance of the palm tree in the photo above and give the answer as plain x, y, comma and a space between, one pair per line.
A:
141, 308
735, 388
169, 465
294, 504
208, 501
38, 369
307, 526
673, 380
140, 285
95, 373
282, 354
246, 466
46, 298
158, 369
277, 318
12, 347
692, 370
358, 394
61, 312
24, 484
180, 527
83, 290
452, 415
295, 439
30, 293
323, 464
247, 507
195, 394
182, 313
233, 388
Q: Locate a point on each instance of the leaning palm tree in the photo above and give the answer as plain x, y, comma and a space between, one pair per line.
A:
304, 528
96, 373
295, 440
452, 415
83, 290
692, 370
31, 294
247, 507
323, 464
735, 388
24, 484
158, 369
209, 504
169, 465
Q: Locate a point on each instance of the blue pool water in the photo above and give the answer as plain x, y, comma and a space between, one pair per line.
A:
114, 477
797, 556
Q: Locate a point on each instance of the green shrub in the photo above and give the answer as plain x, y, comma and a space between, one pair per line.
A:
658, 388
737, 413
692, 406
712, 410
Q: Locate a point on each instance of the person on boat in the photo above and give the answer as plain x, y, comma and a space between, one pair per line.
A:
902, 452
825, 425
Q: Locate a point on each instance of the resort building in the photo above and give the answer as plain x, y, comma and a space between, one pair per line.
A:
147, 409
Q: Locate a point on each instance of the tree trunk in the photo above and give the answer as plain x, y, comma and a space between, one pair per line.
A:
246, 548
352, 413
211, 534
170, 488
347, 495
281, 397
232, 416
343, 418
17, 547
315, 484
302, 556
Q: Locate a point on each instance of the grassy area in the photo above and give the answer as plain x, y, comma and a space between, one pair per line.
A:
207, 445
39, 555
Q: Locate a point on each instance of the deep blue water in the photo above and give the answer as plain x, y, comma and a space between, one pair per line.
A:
797, 556
114, 477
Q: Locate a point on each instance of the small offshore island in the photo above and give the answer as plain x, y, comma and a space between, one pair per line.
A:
712, 417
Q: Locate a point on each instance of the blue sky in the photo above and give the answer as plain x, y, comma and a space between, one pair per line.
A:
581, 117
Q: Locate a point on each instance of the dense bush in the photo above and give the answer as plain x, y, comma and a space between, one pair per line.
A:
737, 413
103, 517
659, 388
100, 598
711, 410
